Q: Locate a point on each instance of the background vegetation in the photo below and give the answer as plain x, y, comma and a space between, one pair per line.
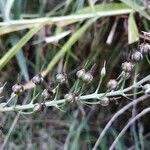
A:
54, 36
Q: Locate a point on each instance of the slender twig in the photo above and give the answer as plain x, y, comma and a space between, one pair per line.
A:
121, 111
10, 130
144, 112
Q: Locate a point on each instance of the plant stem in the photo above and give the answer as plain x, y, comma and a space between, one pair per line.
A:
81, 98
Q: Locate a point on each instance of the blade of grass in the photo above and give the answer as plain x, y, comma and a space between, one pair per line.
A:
132, 30
101, 10
107, 9
20, 58
136, 7
2, 5
6, 58
10, 130
12, 28
67, 46
7, 9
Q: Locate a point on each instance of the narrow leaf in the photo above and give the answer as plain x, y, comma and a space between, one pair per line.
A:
20, 58
132, 30
136, 7
6, 58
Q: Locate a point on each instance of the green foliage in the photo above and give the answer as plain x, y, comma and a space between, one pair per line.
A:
78, 31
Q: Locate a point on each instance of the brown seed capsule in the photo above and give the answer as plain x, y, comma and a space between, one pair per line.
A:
47, 94
61, 78
112, 84
81, 73
88, 77
70, 97
127, 66
39, 107
145, 48
37, 79
137, 56
18, 88
104, 101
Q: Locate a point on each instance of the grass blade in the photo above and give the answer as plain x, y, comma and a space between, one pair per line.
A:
132, 30
6, 58
136, 7
20, 58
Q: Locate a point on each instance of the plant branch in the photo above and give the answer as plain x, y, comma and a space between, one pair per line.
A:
81, 98
145, 111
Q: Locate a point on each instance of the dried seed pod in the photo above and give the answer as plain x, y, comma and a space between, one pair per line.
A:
61, 78
127, 66
137, 56
80, 74
88, 77
47, 94
145, 48
112, 84
103, 71
37, 79
104, 101
39, 107
147, 91
70, 97
18, 88
146, 88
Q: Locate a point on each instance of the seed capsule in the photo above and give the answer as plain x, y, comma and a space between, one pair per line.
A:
103, 71
137, 56
39, 107
37, 79
88, 77
70, 97
80, 74
61, 78
127, 66
104, 101
112, 84
18, 88
145, 48
47, 94
146, 89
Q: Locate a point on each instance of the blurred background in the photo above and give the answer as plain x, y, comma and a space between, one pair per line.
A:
111, 38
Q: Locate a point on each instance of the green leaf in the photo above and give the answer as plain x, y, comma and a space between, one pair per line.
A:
20, 58
133, 35
6, 58
136, 7
101, 10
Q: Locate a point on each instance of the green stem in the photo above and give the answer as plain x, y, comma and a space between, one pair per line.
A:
148, 60
81, 98
99, 84
34, 92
